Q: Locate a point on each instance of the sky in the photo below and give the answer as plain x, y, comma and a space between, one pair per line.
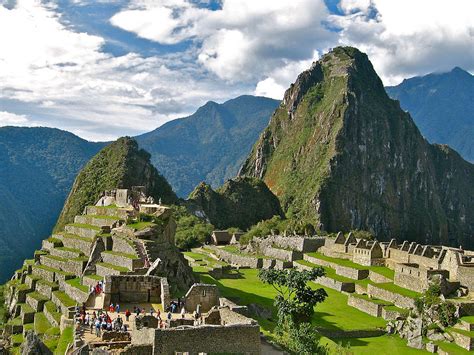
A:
103, 68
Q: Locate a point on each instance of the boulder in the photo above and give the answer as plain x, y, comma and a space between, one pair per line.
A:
32, 345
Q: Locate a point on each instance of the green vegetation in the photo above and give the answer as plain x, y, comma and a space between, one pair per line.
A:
114, 166
65, 339
370, 299
85, 226
452, 348
114, 267
125, 255
209, 145
240, 202
37, 296
191, 231
397, 289
41, 323
94, 277
52, 309
2, 306
41, 164
78, 284
64, 298
17, 339
140, 225
430, 303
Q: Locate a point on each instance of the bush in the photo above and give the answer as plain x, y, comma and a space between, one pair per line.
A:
191, 231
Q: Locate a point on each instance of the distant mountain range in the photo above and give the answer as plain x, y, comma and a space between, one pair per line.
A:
442, 106
38, 165
37, 168
210, 145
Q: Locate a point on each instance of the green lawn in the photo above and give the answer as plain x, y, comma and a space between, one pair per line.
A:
382, 270
373, 300
397, 289
244, 287
140, 225
64, 298
41, 323
94, 277
452, 348
114, 267
85, 226
64, 340
78, 284
469, 319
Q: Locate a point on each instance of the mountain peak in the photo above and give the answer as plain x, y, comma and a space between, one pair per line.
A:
340, 154
121, 164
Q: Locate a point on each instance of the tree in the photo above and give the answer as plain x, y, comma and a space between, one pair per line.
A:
295, 300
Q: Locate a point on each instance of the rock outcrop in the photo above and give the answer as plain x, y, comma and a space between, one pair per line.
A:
119, 165
240, 202
339, 153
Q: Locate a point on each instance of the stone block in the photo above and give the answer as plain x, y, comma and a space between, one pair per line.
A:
365, 305
393, 297
336, 285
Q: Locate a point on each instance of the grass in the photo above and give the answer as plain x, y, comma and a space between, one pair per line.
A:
52, 309
55, 241
386, 344
244, 287
74, 236
468, 319
204, 258
26, 308
397, 309
37, 296
452, 348
125, 255
382, 270
48, 283
41, 323
462, 331
114, 267
65, 339
397, 289
64, 298
16, 339
84, 225
94, 277
235, 250
76, 282
373, 300
140, 225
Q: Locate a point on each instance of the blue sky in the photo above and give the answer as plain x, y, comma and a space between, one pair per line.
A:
105, 68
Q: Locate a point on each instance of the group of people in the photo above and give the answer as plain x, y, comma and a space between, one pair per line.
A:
113, 309
102, 322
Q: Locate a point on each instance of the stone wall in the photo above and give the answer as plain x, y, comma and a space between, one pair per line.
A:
81, 232
336, 285
282, 254
46, 289
76, 294
72, 266
390, 314
229, 317
45, 274
134, 289
207, 296
464, 341
378, 278
235, 259
123, 245
111, 212
76, 243
415, 277
121, 260
395, 298
465, 275
242, 339
351, 273
301, 244
364, 305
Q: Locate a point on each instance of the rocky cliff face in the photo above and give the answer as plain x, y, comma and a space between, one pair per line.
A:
119, 165
240, 202
338, 152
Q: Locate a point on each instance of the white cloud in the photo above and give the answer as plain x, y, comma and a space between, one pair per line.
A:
12, 119
73, 85
408, 38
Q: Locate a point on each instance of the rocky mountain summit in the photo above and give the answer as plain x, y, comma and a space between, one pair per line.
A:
339, 153
240, 202
119, 165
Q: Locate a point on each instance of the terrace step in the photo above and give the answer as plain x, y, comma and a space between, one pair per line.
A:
91, 280
51, 312
51, 274
98, 221
82, 230
121, 213
63, 302
76, 242
46, 288
74, 266
27, 313
104, 269
76, 290
36, 300
129, 261
51, 242
66, 253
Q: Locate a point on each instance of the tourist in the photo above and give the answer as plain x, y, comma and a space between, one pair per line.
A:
124, 328
183, 312
109, 326
127, 314
169, 316
137, 311
117, 308
97, 327
158, 314
111, 308
151, 311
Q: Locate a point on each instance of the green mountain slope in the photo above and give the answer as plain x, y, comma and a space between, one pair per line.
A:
240, 202
119, 165
37, 168
209, 145
442, 106
339, 153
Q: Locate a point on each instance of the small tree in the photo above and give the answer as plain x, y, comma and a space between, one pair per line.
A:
295, 300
